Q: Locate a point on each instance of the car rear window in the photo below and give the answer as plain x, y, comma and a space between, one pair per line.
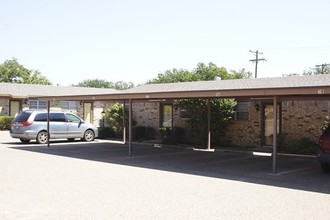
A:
23, 116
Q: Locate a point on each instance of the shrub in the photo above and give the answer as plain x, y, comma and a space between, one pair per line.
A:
150, 133
5, 122
143, 133
171, 135
105, 132
138, 132
303, 146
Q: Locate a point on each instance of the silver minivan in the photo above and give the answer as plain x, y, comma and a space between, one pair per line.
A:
32, 125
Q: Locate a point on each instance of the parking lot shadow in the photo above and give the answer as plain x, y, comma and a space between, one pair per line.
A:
293, 172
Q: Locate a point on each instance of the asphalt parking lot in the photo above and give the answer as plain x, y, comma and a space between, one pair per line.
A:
99, 181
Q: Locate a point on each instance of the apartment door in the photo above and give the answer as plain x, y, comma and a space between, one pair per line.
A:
14, 107
166, 115
268, 130
88, 112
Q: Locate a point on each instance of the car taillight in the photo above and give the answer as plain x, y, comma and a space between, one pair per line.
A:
26, 123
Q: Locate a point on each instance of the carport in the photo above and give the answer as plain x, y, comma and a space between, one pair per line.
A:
315, 87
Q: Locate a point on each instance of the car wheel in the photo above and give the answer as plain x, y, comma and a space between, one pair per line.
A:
89, 135
71, 139
325, 167
25, 141
42, 137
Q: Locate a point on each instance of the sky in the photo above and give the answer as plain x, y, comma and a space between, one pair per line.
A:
70, 41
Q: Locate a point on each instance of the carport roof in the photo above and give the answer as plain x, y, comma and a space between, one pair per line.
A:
236, 84
313, 85
24, 91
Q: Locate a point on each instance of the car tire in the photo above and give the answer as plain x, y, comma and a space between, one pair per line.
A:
42, 137
89, 136
325, 167
71, 139
25, 141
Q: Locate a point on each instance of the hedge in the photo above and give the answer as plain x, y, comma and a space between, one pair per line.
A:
5, 122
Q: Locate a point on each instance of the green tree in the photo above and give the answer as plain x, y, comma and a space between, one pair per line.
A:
13, 72
114, 118
95, 83
221, 109
121, 85
323, 69
201, 73
100, 83
174, 75
320, 69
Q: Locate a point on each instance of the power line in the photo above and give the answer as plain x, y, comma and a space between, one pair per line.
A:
297, 48
256, 53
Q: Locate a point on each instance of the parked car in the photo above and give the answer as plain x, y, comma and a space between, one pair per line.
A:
30, 125
323, 153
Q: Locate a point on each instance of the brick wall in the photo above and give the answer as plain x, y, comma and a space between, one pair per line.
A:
244, 133
146, 114
300, 119
303, 119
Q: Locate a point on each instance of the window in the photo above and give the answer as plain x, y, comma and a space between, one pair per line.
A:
33, 104
23, 116
72, 118
41, 117
242, 111
166, 120
69, 106
58, 117
184, 114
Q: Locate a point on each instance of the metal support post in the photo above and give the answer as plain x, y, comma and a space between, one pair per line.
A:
275, 135
124, 123
48, 121
130, 129
208, 124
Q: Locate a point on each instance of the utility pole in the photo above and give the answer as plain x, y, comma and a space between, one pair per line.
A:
256, 53
322, 67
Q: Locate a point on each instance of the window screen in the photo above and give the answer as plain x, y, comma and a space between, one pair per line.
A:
184, 114
242, 111
69, 106
33, 104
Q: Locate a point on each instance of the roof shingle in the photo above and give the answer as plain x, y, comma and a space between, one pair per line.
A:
26, 90
236, 84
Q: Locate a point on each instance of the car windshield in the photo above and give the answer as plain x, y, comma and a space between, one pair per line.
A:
23, 116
